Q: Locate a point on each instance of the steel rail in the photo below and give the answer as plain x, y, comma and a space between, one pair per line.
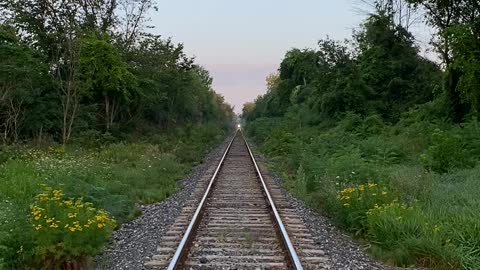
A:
285, 238
179, 253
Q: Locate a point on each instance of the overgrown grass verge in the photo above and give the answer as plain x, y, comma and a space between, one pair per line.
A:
410, 189
56, 202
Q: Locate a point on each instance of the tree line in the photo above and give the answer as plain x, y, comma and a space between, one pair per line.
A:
379, 70
70, 66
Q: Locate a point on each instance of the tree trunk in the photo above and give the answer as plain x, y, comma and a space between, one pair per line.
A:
107, 112
458, 110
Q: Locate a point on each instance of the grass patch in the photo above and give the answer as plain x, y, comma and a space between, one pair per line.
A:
428, 173
115, 177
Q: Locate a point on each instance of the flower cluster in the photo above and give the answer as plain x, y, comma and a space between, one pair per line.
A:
356, 201
66, 228
394, 206
53, 212
363, 193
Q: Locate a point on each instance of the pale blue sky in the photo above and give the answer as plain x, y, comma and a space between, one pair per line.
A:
241, 42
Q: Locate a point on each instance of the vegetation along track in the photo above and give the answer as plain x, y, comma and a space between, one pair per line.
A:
241, 221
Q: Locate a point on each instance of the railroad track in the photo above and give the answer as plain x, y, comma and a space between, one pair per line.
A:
238, 219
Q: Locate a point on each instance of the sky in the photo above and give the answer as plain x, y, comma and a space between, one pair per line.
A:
241, 42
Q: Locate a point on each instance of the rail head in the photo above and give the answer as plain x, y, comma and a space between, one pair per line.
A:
187, 236
283, 231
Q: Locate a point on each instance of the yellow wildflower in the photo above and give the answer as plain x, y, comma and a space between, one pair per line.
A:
42, 197
57, 195
68, 203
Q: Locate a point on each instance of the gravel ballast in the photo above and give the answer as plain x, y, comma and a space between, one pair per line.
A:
137, 241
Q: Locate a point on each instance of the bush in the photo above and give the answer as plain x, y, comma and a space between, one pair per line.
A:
260, 129
445, 153
280, 143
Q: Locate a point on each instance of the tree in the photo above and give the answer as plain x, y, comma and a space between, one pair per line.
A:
23, 77
446, 16
104, 76
402, 12
133, 19
103, 69
465, 43
391, 66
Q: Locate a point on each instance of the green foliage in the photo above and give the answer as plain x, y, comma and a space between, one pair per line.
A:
90, 82
357, 201
390, 64
383, 75
424, 219
116, 177
339, 117
445, 153
105, 77
404, 234
24, 84
466, 49
418, 221
260, 128
66, 232
133, 113
280, 143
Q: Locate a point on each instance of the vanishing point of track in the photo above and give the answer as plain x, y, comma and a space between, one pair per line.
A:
236, 223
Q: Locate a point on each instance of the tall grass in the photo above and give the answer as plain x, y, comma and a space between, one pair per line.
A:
431, 170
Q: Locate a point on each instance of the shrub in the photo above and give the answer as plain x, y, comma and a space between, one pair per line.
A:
445, 153
373, 125
280, 143
261, 128
67, 232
